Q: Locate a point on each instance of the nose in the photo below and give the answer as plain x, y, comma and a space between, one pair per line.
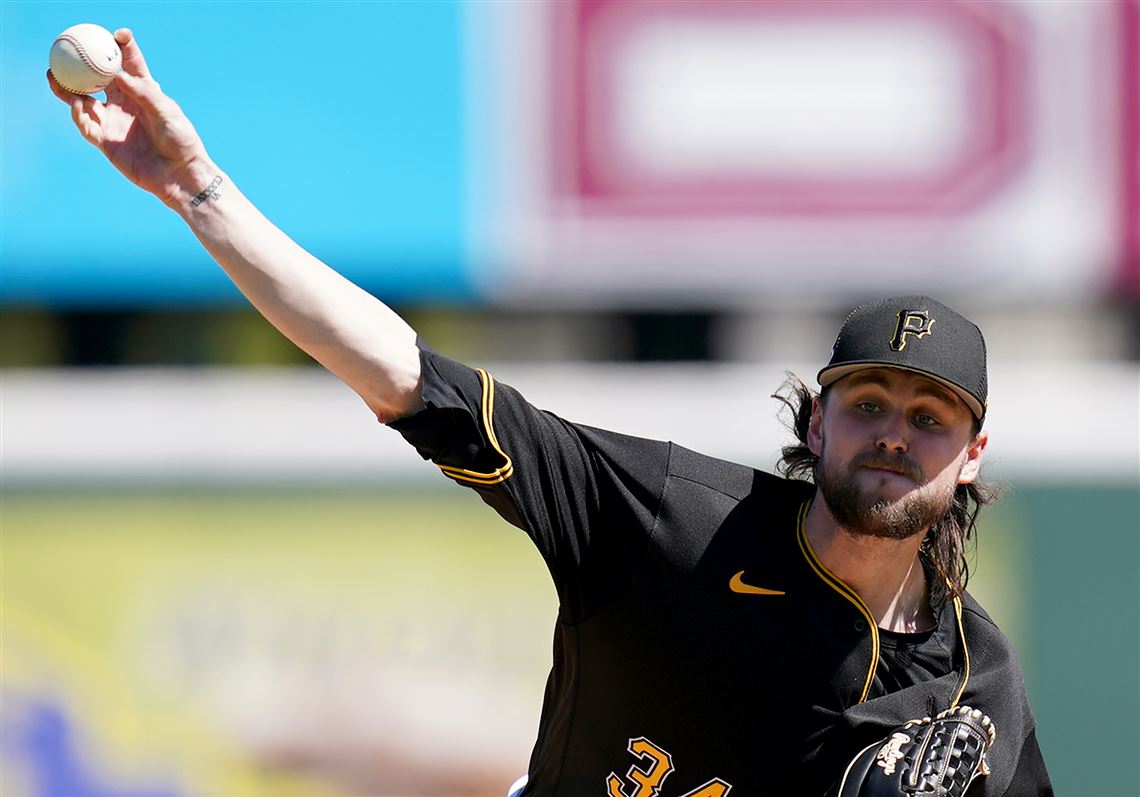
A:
892, 436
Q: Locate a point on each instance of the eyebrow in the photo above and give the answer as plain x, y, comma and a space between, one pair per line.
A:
937, 392
867, 378
924, 388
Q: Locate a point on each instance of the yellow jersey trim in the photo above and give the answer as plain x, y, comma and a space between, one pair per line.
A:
504, 471
957, 601
839, 586
965, 652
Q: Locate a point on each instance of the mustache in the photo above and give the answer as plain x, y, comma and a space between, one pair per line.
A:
898, 463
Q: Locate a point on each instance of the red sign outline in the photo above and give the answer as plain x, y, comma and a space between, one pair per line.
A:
988, 160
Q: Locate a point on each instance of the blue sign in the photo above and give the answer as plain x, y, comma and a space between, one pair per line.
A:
343, 122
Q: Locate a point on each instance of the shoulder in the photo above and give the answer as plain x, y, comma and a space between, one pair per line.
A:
976, 618
993, 658
733, 479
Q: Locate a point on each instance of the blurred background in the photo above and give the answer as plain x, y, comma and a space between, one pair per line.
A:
221, 577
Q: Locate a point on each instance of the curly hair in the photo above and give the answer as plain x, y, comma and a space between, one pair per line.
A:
946, 543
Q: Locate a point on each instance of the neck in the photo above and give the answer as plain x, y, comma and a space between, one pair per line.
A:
886, 573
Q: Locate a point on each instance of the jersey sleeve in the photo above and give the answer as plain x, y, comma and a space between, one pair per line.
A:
1030, 779
588, 498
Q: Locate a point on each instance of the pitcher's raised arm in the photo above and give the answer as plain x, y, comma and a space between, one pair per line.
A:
148, 138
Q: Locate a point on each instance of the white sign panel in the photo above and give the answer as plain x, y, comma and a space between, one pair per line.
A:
718, 152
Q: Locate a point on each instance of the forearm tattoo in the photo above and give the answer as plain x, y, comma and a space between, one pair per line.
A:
210, 192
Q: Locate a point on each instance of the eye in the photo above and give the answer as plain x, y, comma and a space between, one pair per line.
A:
923, 419
867, 407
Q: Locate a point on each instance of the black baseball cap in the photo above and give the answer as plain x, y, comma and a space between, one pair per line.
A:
918, 334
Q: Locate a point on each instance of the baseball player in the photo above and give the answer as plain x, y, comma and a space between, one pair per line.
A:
721, 629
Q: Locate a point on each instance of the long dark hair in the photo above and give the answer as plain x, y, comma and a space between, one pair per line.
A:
947, 541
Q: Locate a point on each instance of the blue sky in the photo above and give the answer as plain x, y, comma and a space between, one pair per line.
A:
342, 121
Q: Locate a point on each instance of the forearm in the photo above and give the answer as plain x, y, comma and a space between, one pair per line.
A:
348, 331
148, 138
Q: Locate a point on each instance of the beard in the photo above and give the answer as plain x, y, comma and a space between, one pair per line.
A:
867, 515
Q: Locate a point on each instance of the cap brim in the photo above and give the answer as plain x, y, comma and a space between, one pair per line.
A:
830, 375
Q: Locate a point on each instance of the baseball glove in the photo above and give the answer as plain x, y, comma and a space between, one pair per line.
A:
924, 758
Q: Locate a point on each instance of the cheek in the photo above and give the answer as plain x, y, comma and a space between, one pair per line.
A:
840, 443
951, 468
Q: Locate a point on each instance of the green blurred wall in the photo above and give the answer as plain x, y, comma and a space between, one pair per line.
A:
1083, 617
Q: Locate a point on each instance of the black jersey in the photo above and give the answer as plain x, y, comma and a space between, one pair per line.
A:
701, 646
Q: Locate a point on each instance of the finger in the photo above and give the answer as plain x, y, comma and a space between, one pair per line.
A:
86, 112
59, 90
145, 92
133, 61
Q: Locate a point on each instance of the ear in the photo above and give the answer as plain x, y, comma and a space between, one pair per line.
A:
815, 428
973, 463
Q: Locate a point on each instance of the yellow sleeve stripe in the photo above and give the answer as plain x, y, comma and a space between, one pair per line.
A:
504, 471
839, 586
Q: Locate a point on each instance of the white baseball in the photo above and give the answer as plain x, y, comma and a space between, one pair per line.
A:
85, 58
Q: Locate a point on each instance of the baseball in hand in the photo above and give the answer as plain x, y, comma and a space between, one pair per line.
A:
85, 58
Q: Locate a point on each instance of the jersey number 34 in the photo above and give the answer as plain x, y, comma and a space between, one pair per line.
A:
645, 781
